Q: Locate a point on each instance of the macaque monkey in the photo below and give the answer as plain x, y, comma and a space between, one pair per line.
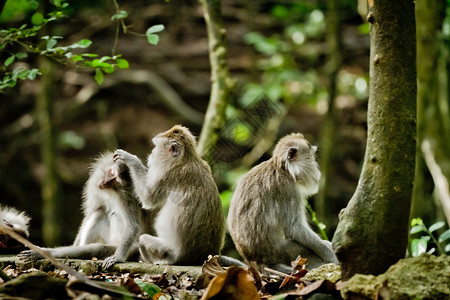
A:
190, 223
113, 217
267, 219
16, 220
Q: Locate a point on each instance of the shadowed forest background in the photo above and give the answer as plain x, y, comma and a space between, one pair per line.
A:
299, 66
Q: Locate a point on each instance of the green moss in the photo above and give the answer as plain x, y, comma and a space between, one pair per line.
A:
425, 277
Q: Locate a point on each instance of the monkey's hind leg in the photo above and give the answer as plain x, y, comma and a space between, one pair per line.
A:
154, 250
291, 249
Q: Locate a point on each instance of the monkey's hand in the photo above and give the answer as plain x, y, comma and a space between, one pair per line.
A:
122, 157
110, 261
28, 256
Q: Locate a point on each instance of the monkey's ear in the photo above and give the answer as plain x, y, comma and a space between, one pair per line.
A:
175, 148
292, 152
314, 149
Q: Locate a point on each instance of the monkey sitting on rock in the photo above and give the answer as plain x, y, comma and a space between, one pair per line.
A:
267, 219
113, 218
178, 183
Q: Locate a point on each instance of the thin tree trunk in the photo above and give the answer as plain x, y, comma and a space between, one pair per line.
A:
327, 133
51, 225
429, 18
221, 83
373, 230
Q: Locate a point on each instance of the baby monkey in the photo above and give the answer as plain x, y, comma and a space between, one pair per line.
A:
190, 223
113, 218
267, 219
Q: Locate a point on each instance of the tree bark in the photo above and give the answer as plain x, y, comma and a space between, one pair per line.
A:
221, 82
373, 230
51, 225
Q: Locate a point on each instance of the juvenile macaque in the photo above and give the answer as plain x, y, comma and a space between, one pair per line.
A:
113, 217
17, 221
267, 220
190, 224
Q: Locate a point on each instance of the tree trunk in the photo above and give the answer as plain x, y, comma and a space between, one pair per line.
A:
221, 83
51, 225
327, 133
373, 230
433, 110
429, 18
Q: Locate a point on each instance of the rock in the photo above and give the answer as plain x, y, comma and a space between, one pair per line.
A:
423, 277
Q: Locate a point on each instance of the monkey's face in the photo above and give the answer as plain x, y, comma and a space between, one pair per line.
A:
167, 150
171, 146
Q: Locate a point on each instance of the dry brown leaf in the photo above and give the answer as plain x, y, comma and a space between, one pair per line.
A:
235, 284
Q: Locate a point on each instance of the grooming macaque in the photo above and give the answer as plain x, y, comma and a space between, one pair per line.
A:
17, 221
267, 219
190, 223
113, 217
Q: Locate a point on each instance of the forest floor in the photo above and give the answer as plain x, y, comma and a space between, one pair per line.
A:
424, 277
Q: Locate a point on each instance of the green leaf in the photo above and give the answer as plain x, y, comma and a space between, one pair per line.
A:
83, 43
122, 14
444, 236
447, 248
436, 226
153, 39
51, 43
416, 229
33, 73
98, 76
10, 60
122, 63
416, 221
89, 55
104, 58
151, 36
155, 29
37, 18
150, 288
21, 55
419, 246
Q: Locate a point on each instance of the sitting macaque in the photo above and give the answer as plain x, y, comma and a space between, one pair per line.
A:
113, 218
17, 221
267, 219
190, 223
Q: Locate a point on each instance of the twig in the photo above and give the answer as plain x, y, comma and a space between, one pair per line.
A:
80, 276
278, 273
439, 178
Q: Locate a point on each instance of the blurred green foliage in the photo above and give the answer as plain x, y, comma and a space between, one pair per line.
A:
28, 36
426, 239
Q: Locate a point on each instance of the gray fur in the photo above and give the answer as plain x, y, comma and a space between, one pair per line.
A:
267, 219
113, 218
190, 223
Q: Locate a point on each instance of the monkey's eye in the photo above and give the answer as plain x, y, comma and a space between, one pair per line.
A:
176, 131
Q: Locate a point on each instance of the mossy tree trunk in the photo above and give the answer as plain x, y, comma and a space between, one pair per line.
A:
51, 221
372, 233
221, 83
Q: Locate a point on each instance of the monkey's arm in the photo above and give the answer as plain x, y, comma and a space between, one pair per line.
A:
305, 236
138, 172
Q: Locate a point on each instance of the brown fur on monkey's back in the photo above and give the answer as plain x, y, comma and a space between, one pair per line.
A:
264, 182
201, 221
